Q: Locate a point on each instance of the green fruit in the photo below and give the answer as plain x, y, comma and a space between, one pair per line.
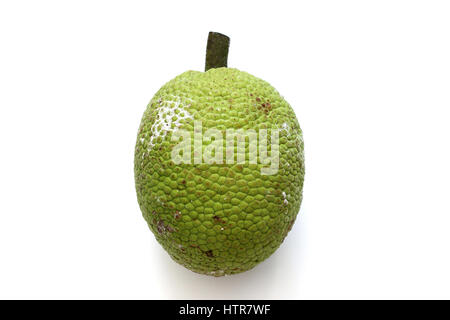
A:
218, 218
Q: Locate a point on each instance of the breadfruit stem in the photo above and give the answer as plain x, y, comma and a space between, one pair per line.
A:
217, 50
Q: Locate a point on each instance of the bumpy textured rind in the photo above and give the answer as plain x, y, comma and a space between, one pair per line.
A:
218, 219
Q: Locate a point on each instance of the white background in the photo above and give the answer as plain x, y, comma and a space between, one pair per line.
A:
369, 82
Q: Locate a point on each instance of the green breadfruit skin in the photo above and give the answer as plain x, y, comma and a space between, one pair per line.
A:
218, 219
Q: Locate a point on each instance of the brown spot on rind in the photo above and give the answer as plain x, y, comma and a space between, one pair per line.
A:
209, 254
160, 226
218, 219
